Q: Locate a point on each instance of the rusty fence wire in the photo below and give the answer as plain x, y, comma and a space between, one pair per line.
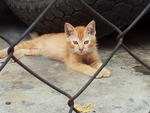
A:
119, 39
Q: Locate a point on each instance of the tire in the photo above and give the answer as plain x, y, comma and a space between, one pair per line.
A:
2, 7
119, 12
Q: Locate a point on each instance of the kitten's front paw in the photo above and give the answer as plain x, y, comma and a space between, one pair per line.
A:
12, 61
104, 73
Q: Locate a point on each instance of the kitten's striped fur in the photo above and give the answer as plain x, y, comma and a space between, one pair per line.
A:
76, 47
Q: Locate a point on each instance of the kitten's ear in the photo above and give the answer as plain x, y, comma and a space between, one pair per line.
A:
69, 30
91, 28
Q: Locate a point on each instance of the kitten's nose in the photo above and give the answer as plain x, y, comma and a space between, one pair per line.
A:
81, 49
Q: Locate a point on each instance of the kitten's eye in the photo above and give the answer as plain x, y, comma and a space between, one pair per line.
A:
86, 42
75, 42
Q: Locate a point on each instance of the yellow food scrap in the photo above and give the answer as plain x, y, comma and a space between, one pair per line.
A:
84, 109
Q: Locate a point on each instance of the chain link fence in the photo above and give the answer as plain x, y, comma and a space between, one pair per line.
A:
119, 39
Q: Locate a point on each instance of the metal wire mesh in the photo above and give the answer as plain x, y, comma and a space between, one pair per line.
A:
119, 39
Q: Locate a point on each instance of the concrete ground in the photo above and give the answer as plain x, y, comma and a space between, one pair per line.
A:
126, 91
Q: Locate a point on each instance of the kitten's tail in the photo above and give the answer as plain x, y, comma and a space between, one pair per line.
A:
22, 45
3, 53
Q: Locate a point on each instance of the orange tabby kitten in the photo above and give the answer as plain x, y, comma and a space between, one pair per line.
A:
76, 47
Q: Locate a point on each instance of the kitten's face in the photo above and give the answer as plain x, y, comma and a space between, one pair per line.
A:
81, 40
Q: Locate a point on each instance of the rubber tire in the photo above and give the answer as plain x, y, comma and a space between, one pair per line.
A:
2, 7
119, 12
